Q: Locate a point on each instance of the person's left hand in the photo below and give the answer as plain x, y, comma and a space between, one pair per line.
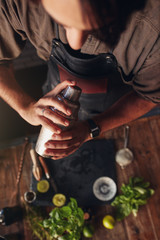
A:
68, 141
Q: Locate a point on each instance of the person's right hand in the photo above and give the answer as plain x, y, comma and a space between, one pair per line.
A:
39, 113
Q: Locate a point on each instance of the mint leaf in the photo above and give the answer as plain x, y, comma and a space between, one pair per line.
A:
73, 204
46, 223
65, 211
134, 194
65, 223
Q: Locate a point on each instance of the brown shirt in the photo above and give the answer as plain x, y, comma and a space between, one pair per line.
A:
137, 53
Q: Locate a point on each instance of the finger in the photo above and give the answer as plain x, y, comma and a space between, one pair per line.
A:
55, 103
65, 135
59, 153
50, 125
69, 153
55, 117
62, 144
50, 99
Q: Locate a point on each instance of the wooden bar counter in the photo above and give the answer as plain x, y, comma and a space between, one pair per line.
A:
144, 141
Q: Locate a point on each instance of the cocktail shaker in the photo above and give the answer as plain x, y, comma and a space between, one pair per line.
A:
70, 97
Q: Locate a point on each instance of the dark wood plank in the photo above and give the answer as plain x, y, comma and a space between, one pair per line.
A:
146, 164
144, 141
10, 159
8, 170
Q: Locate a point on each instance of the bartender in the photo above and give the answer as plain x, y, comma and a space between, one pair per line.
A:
84, 43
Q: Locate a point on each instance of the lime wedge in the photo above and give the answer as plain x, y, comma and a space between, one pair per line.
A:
59, 199
108, 222
43, 186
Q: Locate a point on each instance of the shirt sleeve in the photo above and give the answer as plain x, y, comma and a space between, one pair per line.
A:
12, 37
147, 81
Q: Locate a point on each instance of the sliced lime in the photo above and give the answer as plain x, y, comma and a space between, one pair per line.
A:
108, 222
59, 199
43, 186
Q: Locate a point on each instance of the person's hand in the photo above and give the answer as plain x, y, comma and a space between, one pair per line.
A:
39, 113
68, 141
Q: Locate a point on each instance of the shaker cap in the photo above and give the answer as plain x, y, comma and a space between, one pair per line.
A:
72, 93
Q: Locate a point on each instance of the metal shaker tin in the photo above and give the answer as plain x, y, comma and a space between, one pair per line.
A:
69, 96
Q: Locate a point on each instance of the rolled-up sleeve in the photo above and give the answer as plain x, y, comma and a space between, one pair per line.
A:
147, 81
12, 37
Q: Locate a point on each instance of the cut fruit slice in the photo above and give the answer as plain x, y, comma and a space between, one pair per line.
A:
43, 186
108, 222
59, 199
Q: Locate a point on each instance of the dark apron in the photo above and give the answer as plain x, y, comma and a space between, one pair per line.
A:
101, 86
97, 76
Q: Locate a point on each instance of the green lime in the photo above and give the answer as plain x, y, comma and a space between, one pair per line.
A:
43, 186
59, 200
109, 222
88, 231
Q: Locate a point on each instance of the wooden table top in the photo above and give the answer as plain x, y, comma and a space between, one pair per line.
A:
144, 141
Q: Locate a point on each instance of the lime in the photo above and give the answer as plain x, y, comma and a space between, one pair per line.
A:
43, 186
59, 200
88, 231
108, 222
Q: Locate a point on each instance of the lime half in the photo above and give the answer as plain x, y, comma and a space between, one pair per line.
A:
108, 222
43, 186
59, 199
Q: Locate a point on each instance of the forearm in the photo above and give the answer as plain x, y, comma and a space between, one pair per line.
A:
30, 110
128, 108
11, 92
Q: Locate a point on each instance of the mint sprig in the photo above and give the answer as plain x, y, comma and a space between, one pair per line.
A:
134, 194
65, 223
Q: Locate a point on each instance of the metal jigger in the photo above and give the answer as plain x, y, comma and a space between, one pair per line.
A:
124, 156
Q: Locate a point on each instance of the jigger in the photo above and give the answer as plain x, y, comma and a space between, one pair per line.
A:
124, 156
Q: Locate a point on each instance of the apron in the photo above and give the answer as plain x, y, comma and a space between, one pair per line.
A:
101, 86
96, 75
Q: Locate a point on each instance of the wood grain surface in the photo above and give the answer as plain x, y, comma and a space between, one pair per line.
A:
144, 141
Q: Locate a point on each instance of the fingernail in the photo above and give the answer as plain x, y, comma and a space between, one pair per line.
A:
55, 137
66, 123
69, 112
58, 131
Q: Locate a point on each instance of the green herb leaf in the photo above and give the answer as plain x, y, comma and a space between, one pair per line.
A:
133, 195
65, 223
46, 223
65, 211
73, 204
140, 190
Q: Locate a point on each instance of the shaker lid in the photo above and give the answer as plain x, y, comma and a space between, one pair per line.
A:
72, 93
